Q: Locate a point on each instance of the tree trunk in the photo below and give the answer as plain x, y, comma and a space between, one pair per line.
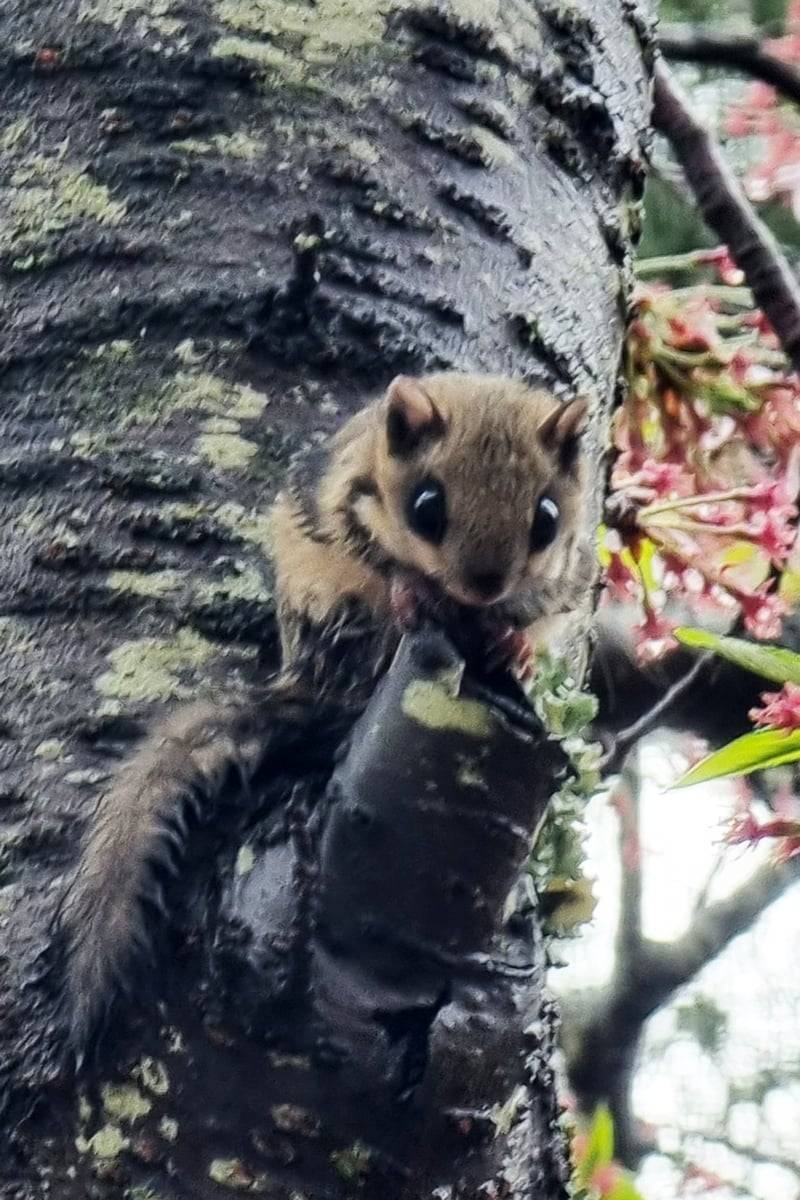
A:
225, 224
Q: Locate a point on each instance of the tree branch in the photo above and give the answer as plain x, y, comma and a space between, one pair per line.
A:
727, 211
683, 1161
754, 1154
743, 54
602, 1063
714, 926
686, 1156
702, 896
626, 738
629, 929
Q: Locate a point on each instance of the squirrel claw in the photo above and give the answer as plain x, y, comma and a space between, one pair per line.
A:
510, 649
404, 603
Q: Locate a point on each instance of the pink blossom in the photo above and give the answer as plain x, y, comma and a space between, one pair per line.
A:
757, 320
720, 257
606, 1177
666, 478
762, 612
740, 365
781, 709
653, 636
788, 847
719, 429
771, 494
771, 531
686, 336
718, 515
639, 330
787, 47
737, 123
761, 95
777, 425
743, 828
702, 1179
619, 578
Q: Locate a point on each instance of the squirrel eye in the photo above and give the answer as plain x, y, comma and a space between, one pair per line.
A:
545, 523
426, 511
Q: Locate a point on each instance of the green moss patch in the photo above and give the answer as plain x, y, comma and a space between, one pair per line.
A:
271, 62
155, 13
146, 583
323, 30
432, 705
237, 1175
49, 197
246, 584
107, 1143
202, 392
251, 526
153, 1075
152, 668
124, 1102
226, 451
231, 145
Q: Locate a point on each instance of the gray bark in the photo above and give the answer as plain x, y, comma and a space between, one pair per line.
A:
226, 224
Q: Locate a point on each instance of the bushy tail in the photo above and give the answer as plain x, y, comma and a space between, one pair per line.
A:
139, 831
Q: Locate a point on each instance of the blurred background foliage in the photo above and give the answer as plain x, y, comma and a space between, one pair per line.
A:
715, 1097
672, 224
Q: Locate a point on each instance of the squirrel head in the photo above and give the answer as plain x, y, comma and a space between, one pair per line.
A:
478, 482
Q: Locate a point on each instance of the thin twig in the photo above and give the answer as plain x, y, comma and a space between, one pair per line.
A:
727, 211
755, 1154
685, 1161
714, 926
629, 928
701, 900
744, 54
648, 721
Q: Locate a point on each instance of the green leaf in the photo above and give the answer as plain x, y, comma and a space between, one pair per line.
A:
644, 561
724, 395
773, 662
751, 752
624, 1189
599, 1146
569, 715
789, 587
671, 224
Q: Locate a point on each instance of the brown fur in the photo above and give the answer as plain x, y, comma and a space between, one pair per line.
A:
139, 827
494, 444
494, 468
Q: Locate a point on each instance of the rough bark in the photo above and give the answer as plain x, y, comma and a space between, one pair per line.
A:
225, 224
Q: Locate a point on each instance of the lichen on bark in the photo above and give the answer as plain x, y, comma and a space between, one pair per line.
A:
424, 186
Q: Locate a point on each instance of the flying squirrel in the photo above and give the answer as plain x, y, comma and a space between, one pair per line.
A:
463, 487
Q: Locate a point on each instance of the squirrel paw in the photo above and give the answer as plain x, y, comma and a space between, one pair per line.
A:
510, 649
404, 602
410, 598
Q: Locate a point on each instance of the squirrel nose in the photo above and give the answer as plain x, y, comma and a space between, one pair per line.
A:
486, 583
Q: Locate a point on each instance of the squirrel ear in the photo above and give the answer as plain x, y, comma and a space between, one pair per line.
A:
560, 431
411, 415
